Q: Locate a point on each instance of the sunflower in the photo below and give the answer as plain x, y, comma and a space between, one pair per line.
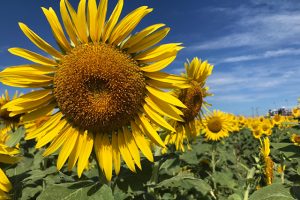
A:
105, 86
196, 72
269, 164
9, 122
266, 127
296, 112
217, 125
277, 119
295, 139
7, 156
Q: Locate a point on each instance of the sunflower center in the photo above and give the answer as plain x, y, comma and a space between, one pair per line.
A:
193, 99
297, 139
98, 87
214, 125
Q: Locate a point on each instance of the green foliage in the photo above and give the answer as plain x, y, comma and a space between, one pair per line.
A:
175, 175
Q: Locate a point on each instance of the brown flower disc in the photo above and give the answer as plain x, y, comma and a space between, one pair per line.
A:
98, 87
192, 98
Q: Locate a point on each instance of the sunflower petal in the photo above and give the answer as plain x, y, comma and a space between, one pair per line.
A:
66, 149
109, 26
149, 41
85, 154
127, 24
34, 57
39, 42
138, 37
116, 153
131, 145
158, 94
149, 130
157, 118
125, 152
141, 142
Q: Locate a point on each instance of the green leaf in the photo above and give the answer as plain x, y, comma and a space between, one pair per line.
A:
272, 192
289, 150
84, 190
15, 137
187, 182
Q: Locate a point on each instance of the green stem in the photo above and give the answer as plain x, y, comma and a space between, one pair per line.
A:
250, 176
213, 164
155, 171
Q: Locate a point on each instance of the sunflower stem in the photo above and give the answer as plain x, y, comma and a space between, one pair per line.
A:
250, 176
213, 164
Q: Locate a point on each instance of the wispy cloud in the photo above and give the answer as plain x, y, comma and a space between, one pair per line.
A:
260, 29
265, 55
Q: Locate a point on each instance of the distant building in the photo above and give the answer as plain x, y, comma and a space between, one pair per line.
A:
281, 111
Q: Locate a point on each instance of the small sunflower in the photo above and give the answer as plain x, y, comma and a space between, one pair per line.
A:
257, 133
277, 119
269, 164
266, 127
217, 125
196, 73
9, 122
7, 156
105, 86
295, 139
296, 112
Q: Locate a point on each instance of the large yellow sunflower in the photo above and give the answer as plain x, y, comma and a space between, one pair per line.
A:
193, 97
217, 125
8, 123
104, 85
7, 156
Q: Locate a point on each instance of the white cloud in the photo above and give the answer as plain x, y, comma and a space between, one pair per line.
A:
257, 29
265, 55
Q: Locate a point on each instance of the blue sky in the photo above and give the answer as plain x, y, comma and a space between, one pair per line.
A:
254, 44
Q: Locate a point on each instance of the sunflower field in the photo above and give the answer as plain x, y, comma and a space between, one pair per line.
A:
104, 120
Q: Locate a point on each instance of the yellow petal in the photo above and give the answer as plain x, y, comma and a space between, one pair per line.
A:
141, 142
57, 29
39, 42
138, 37
116, 153
58, 141
40, 112
101, 17
66, 149
131, 145
29, 97
159, 53
156, 93
164, 109
34, 57
85, 153
76, 150
149, 41
125, 152
68, 23
127, 24
109, 26
157, 66
81, 19
5, 185
49, 133
92, 19
52, 122
106, 153
30, 69
147, 128
157, 118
